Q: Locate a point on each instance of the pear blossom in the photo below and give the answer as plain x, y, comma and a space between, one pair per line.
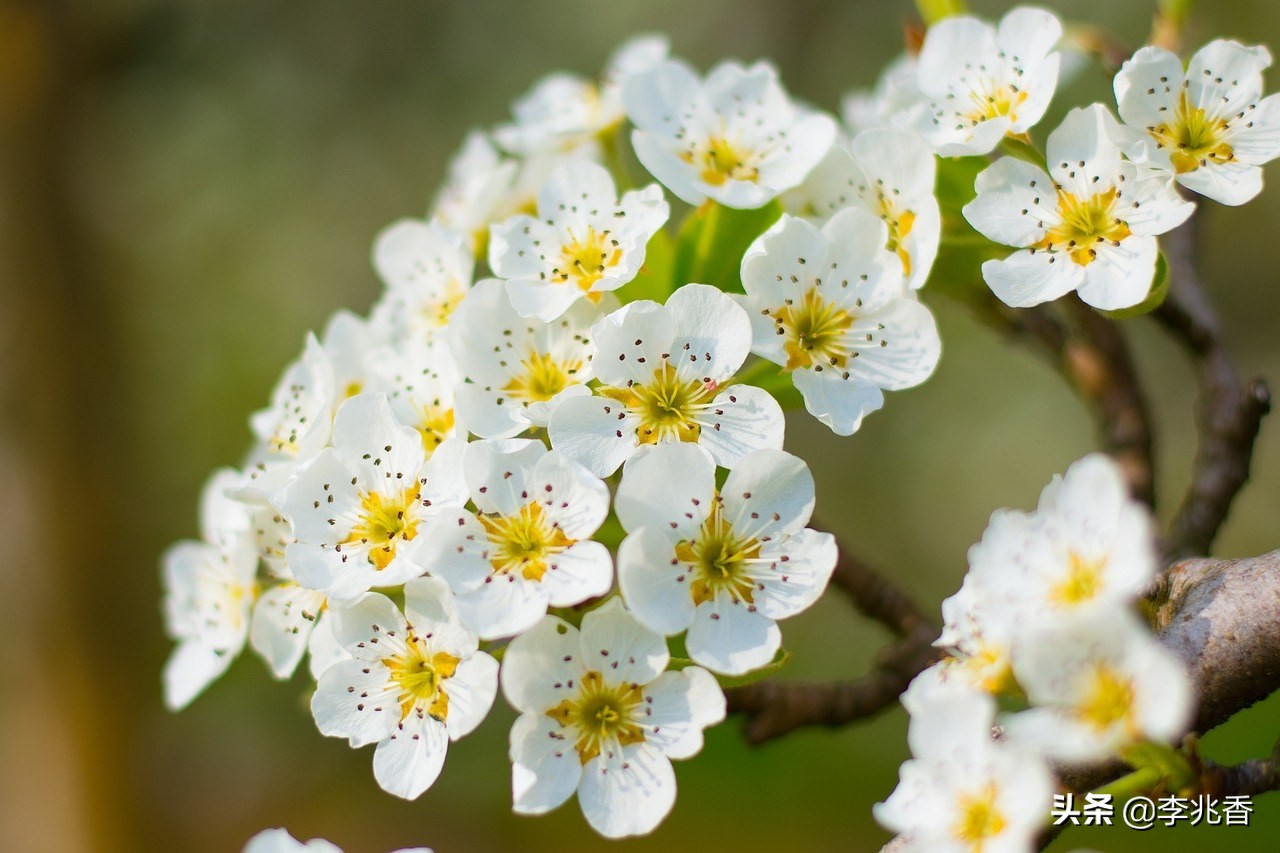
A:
528, 544
829, 306
1088, 225
726, 563
349, 341
584, 242
963, 791
599, 716
566, 111
280, 841
297, 423
666, 374
289, 621
1209, 127
209, 592
520, 368
420, 380
895, 101
978, 633
983, 82
734, 137
1097, 684
427, 269
414, 682
890, 174
477, 190
359, 506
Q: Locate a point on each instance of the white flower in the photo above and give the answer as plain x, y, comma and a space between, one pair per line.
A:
209, 591
890, 174
734, 137
427, 270
358, 507
895, 101
288, 621
414, 682
1209, 126
830, 307
520, 368
983, 82
564, 111
963, 791
725, 564
1097, 684
978, 632
666, 374
528, 545
584, 241
477, 190
280, 841
296, 425
1089, 225
600, 717
420, 380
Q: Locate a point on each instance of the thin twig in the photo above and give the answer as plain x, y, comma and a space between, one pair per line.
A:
1257, 776
1228, 411
878, 597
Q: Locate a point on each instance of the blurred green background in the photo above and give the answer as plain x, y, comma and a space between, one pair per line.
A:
186, 187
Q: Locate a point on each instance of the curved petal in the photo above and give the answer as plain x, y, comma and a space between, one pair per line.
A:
796, 575
742, 419
1014, 200
1029, 277
471, 693
678, 706
622, 649
595, 432
1120, 276
409, 761
732, 638
629, 793
503, 605
356, 700
540, 665
653, 582
544, 765
836, 402
711, 333
581, 572
769, 494
667, 487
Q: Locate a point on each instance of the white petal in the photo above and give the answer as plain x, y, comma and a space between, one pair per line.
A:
471, 692
742, 419
575, 500
454, 551
793, 585
365, 424
838, 403
712, 335
1029, 278
1120, 276
497, 472
339, 575
594, 432
1224, 76
665, 165
628, 794
489, 413
283, 619
327, 475
653, 583
678, 706
191, 667
1083, 153
411, 758
631, 342
770, 493
900, 346
1258, 140
323, 649
729, 637
539, 664
356, 700
1015, 199
581, 572
1226, 183
280, 841
1147, 87
429, 607
544, 765
503, 605
544, 300
516, 248
370, 627
668, 487
618, 646
1029, 33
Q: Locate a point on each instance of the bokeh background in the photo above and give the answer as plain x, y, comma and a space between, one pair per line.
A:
186, 187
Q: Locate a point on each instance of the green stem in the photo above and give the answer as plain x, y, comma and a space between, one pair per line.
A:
712, 215
1022, 147
1138, 782
612, 142
933, 11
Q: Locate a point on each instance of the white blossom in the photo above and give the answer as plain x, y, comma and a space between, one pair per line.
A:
280, 841
724, 564
585, 241
1208, 126
528, 544
415, 681
666, 374
477, 191
1088, 225
359, 506
734, 137
297, 423
420, 381
599, 716
427, 270
520, 368
829, 306
895, 101
983, 82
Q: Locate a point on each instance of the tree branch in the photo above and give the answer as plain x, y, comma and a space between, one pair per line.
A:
1228, 411
1248, 778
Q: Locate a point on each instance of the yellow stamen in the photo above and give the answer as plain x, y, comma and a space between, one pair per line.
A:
980, 818
900, 224
1109, 701
586, 259
523, 542
383, 520
435, 423
420, 676
1083, 223
1193, 137
721, 161
816, 331
601, 714
993, 101
541, 378
1083, 580
719, 560
667, 406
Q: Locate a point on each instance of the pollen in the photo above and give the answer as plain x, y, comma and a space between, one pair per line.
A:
602, 715
720, 560
667, 406
1194, 138
435, 313
1083, 223
523, 543
384, 520
721, 160
420, 676
980, 818
816, 331
994, 100
435, 424
584, 260
1083, 580
541, 377
1109, 700
900, 224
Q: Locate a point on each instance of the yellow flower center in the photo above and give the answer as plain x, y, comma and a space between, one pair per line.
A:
435, 313
1083, 580
667, 406
435, 423
719, 560
523, 542
1193, 137
601, 714
1083, 223
420, 677
720, 161
586, 259
991, 100
980, 818
989, 668
541, 377
816, 331
1109, 700
900, 223
383, 520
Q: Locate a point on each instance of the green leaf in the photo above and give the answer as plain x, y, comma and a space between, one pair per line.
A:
1155, 297
955, 181
655, 280
730, 681
712, 241
1174, 770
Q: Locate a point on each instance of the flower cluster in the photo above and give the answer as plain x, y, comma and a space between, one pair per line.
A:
1044, 620
541, 454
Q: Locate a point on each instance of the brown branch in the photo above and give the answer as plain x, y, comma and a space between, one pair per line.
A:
1228, 411
1257, 776
774, 708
